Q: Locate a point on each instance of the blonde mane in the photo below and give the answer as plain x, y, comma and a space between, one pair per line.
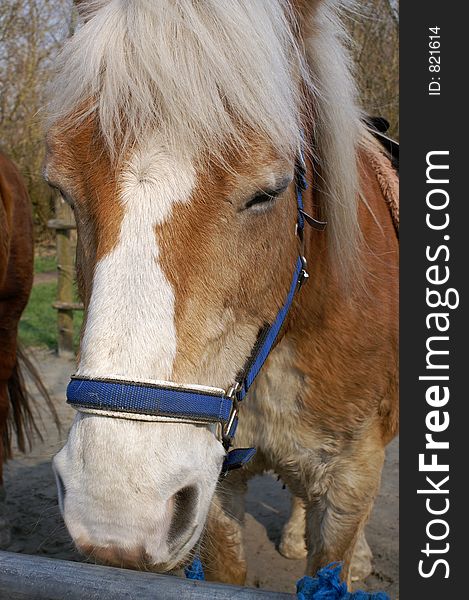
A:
195, 70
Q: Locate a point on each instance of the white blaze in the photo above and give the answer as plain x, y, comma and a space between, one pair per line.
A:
130, 329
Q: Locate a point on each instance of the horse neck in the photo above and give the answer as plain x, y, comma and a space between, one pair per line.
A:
329, 290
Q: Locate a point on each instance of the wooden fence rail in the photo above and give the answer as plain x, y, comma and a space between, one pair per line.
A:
24, 577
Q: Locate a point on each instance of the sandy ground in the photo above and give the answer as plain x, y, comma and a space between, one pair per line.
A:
37, 527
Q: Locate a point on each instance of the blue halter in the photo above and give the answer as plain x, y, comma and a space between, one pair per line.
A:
162, 400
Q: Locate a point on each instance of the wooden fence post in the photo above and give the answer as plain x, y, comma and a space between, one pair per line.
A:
64, 225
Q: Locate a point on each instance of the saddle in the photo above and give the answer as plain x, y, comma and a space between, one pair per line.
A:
384, 158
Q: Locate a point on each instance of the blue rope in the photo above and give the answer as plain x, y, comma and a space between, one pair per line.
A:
195, 570
325, 586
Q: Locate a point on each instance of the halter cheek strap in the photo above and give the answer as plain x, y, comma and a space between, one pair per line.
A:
167, 401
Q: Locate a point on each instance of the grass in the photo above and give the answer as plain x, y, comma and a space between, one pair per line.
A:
38, 325
45, 263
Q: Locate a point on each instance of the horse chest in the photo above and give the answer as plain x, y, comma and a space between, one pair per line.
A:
271, 414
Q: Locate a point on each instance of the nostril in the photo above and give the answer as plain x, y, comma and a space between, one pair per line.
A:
185, 503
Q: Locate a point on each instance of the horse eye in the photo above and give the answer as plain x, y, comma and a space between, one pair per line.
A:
65, 197
262, 198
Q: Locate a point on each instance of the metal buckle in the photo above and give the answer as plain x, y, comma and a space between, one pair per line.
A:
232, 394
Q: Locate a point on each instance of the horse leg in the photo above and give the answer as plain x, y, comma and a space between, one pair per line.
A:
4, 411
292, 543
5, 529
337, 514
8, 363
6, 368
222, 550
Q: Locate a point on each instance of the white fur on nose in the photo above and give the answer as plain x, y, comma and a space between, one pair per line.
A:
120, 476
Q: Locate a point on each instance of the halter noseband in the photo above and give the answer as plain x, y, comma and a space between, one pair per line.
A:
167, 401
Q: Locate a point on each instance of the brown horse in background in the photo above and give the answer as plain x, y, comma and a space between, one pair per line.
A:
16, 278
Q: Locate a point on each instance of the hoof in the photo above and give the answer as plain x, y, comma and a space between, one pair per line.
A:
292, 545
362, 560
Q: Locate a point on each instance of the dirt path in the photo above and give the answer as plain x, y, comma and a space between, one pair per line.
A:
46, 277
38, 529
